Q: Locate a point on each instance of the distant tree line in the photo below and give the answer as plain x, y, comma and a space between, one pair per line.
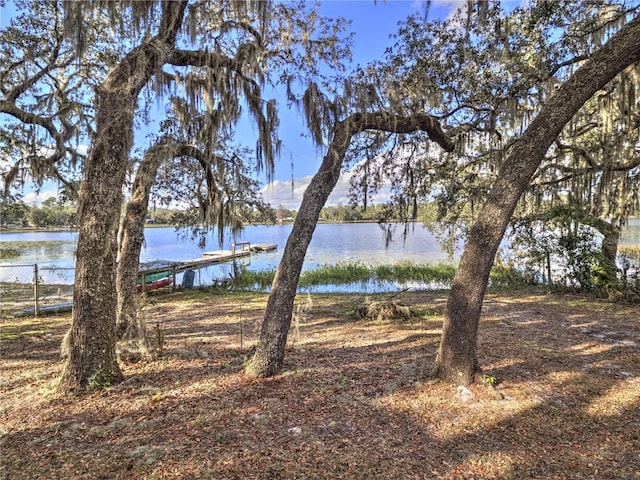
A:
61, 212
53, 212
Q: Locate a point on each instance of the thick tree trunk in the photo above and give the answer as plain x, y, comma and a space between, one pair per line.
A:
269, 356
457, 357
91, 360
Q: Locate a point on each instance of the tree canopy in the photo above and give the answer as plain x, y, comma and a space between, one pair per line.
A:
210, 60
486, 74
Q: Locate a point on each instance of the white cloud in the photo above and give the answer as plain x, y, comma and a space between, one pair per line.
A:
283, 193
36, 198
448, 8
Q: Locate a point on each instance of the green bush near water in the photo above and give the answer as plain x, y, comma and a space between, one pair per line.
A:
258, 279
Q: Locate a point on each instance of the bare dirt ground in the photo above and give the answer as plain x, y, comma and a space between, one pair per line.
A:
354, 401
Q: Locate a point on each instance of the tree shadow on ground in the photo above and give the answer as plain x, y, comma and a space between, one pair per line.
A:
347, 406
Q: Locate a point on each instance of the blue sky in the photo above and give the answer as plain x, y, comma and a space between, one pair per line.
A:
373, 22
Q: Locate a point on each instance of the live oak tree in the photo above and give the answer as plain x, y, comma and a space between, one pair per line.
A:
590, 175
92, 339
506, 66
92, 359
218, 194
191, 153
457, 357
239, 46
195, 157
492, 80
44, 90
270, 351
47, 84
221, 187
458, 343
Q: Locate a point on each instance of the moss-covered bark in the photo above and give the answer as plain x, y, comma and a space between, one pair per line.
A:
92, 353
457, 357
269, 356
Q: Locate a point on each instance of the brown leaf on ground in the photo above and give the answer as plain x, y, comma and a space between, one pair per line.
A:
353, 402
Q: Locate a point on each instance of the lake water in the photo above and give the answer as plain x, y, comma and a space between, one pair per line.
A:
631, 233
331, 244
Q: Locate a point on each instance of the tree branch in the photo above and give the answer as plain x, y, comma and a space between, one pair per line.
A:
389, 122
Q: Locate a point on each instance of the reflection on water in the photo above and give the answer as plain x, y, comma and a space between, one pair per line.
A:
331, 244
46, 251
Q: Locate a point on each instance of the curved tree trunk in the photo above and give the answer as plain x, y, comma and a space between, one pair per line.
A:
131, 327
130, 324
610, 239
610, 250
457, 358
91, 360
269, 355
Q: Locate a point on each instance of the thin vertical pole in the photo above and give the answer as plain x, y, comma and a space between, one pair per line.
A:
36, 290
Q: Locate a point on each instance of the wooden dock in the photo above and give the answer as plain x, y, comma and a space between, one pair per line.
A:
242, 249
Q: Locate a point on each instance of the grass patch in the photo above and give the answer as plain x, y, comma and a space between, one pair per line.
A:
345, 273
21, 329
432, 276
9, 252
339, 274
255, 279
410, 272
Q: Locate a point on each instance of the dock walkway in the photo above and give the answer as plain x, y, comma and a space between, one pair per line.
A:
242, 249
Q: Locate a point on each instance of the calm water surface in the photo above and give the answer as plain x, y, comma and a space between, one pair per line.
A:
331, 244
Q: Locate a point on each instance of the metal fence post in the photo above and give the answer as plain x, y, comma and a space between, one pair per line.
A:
36, 290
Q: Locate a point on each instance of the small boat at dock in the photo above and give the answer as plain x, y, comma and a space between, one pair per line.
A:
156, 284
152, 277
